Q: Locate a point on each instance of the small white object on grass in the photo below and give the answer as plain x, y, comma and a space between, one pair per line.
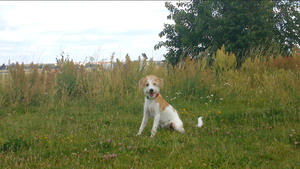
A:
200, 122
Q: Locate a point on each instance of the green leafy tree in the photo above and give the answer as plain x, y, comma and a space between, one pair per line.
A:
240, 25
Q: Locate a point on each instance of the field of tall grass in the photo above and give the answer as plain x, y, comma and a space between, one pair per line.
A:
88, 119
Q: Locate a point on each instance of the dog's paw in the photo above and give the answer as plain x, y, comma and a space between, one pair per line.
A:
138, 134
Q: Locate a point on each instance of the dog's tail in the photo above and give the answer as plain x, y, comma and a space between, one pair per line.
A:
200, 122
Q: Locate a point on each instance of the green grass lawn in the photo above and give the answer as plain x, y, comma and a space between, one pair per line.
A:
79, 135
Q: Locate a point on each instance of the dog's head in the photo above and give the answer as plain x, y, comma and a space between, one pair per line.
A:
151, 85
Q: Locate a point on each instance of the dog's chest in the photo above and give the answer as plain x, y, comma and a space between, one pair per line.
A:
152, 107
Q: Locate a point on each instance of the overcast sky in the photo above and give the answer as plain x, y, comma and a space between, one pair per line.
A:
37, 31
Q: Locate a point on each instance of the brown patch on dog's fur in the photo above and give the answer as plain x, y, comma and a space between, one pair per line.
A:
174, 110
159, 81
162, 103
142, 82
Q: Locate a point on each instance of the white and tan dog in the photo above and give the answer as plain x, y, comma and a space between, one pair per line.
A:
155, 106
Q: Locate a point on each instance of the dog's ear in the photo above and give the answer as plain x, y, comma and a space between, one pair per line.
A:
142, 83
160, 82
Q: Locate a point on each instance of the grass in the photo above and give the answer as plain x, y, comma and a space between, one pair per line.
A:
78, 119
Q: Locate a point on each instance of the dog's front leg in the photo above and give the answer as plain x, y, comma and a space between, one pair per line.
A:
144, 122
155, 124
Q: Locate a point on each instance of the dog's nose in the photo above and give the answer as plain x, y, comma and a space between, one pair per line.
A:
151, 90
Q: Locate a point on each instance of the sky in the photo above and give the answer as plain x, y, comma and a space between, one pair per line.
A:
37, 31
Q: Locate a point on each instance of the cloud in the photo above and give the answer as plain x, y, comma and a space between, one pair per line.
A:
37, 30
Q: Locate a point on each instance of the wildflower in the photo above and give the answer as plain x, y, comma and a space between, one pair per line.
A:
49, 141
20, 135
219, 112
227, 84
109, 140
296, 143
46, 137
183, 109
71, 141
221, 98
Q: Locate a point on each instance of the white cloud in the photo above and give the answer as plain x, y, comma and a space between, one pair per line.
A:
37, 30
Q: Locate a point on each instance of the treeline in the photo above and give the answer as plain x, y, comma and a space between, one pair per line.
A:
246, 28
27, 66
40, 66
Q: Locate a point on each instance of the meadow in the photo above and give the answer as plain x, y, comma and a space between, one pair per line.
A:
89, 119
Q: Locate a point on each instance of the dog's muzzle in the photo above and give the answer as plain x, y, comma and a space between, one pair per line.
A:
151, 92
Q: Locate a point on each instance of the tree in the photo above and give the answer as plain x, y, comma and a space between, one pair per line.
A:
287, 18
202, 25
2, 67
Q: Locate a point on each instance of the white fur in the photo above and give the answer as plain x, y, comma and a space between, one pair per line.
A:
167, 118
200, 122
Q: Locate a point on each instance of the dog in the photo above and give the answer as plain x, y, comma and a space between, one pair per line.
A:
155, 106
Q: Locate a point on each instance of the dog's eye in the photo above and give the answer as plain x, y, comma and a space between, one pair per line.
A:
154, 84
147, 84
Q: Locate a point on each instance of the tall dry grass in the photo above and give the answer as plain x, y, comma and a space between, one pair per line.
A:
256, 82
